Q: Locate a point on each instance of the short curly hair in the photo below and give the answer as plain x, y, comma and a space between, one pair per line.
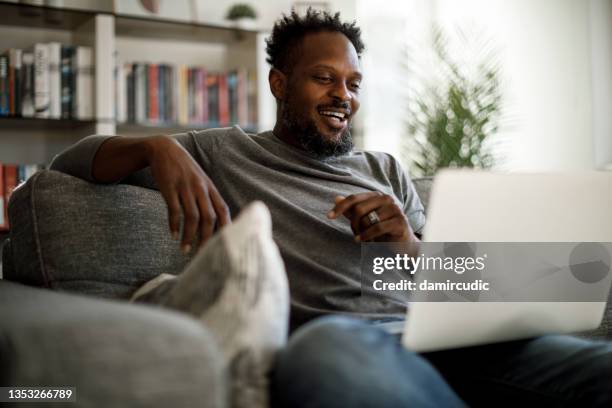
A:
283, 43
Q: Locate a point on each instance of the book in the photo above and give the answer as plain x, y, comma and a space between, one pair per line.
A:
121, 92
140, 85
212, 83
66, 81
161, 93
183, 112
232, 90
4, 86
41, 81
83, 89
201, 96
10, 182
153, 94
55, 80
15, 78
131, 92
3, 208
27, 85
224, 117
243, 109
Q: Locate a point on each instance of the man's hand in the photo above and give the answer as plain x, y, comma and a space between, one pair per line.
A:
392, 227
186, 189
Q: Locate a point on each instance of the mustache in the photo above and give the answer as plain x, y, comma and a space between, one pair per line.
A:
338, 105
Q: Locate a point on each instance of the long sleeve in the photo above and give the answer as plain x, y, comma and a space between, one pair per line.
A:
78, 159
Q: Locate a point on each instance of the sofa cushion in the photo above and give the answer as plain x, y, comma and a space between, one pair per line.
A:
423, 188
116, 354
104, 240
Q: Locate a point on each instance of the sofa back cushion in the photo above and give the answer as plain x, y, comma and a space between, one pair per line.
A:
104, 240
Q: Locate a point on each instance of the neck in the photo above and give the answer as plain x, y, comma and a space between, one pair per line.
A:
283, 134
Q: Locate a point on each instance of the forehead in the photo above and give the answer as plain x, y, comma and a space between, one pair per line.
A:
328, 48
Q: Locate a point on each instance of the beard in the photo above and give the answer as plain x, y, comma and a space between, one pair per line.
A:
308, 135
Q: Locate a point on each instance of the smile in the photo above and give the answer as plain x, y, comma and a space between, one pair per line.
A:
334, 119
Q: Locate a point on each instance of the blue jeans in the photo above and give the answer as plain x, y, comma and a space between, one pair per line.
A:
341, 362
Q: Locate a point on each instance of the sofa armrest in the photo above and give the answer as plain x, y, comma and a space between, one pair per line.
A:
114, 353
103, 240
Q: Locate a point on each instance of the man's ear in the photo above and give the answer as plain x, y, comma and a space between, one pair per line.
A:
278, 83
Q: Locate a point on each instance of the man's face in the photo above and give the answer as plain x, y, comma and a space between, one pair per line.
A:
322, 94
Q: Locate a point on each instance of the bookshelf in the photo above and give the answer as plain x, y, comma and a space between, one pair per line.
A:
217, 47
116, 39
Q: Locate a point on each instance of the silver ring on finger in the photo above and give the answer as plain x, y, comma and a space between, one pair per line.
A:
373, 217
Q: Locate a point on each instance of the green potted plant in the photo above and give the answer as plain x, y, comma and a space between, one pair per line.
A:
452, 119
242, 15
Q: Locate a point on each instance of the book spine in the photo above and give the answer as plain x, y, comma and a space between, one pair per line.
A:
199, 100
131, 93
223, 100
15, 71
27, 82
55, 80
168, 93
41, 81
204, 96
243, 114
83, 69
183, 96
213, 100
66, 81
121, 93
147, 99
11, 84
3, 206
161, 93
153, 83
140, 82
232, 89
175, 93
190, 96
10, 182
4, 86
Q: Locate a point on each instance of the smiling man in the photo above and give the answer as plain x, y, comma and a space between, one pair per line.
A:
324, 198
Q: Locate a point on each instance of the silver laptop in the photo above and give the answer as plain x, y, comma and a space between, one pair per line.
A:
469, 206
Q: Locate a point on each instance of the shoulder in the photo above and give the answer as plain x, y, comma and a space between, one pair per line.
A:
382, 162
208, 139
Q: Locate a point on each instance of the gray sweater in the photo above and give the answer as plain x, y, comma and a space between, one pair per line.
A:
320, 255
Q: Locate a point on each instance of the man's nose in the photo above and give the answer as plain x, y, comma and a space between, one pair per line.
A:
341, 92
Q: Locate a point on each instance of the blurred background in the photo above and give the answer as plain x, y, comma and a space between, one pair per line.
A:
509, 85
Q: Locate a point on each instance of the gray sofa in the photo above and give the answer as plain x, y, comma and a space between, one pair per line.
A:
94, 245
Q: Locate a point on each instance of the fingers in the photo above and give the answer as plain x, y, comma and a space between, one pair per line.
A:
191, 215
221, 209
346, 204
393, 224
208, 218
174, 212
392, 227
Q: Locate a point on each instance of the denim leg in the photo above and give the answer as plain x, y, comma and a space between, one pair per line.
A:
548, 371
341, 362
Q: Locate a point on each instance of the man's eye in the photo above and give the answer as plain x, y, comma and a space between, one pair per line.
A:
323, 79
356, 85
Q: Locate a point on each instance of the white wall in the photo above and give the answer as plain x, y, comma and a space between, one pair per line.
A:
548, 74
601, 54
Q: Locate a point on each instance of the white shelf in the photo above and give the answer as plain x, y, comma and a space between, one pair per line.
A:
216, 46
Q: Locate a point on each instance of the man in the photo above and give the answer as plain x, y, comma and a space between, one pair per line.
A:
325, 199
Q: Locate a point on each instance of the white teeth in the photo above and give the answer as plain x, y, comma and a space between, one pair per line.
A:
334, 114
